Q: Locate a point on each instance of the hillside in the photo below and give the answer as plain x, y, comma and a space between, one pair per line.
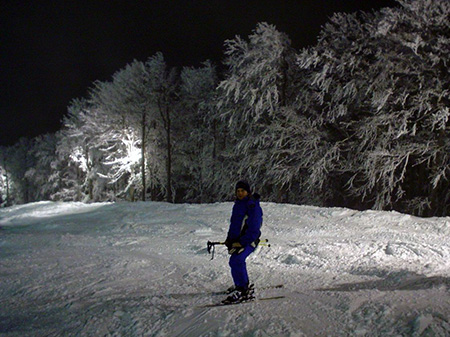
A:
142, 269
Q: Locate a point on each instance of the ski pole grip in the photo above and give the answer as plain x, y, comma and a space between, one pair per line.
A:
211, 247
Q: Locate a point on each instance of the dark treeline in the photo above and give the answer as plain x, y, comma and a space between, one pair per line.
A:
359, 120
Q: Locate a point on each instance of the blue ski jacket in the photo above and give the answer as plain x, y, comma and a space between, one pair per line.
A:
246, 221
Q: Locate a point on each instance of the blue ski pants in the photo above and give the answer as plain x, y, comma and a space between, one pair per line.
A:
239, 267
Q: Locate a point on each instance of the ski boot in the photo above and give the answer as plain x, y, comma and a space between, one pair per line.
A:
239, 295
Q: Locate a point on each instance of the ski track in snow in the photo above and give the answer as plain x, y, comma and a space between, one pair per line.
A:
142, 269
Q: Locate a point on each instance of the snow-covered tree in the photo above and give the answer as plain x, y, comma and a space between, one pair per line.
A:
356, 120
257, 87
75, 169
335, 71
141, 98
126, 101
380, 86
197, 152
411, 99
43, 149
15, 161
129, 102
5, 199
163, 87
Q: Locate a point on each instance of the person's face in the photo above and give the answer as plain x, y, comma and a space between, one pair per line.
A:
241, 193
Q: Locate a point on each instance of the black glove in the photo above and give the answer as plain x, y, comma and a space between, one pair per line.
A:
228, 243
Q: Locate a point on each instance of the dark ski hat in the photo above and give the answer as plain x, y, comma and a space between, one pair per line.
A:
244, 185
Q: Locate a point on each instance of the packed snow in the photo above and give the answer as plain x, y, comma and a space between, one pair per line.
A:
142, 269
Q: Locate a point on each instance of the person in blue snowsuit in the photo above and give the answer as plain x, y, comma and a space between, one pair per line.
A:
243, 238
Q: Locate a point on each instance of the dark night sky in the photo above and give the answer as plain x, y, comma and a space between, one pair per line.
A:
52, 51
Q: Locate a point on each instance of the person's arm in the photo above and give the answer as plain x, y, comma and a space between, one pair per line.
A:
237, 218
254, 222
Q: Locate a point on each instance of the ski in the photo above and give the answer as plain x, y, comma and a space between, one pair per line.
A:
213, 305
248, 300
276, 286
220, 293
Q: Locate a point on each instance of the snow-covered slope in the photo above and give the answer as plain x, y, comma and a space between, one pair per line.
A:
141, 269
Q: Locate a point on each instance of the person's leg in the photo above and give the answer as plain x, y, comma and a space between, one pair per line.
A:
239, 268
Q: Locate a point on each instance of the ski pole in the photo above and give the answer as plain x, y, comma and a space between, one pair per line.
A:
211, 245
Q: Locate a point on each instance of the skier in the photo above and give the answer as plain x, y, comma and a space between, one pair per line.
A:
242, 239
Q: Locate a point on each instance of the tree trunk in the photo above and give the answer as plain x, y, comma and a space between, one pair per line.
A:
169, 157
8, 197
91, 189
214, 152
436, 195
144, 187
